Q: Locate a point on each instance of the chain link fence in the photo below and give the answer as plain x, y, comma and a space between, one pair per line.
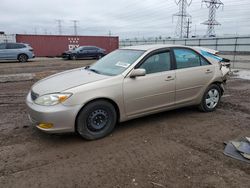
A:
237, 49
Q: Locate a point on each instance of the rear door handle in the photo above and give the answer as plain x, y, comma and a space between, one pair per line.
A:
208, 71
169, 78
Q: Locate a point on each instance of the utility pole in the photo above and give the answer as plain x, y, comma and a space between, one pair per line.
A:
182, 17
75, 26
59, 22
110, 33
195, 30
213, 5
35, 31
188, 27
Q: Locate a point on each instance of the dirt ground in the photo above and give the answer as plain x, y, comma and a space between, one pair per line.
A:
180, 148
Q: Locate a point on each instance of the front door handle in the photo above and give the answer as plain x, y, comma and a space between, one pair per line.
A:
169, 78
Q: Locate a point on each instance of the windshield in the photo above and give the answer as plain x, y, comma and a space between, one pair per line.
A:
116, 62
79, 48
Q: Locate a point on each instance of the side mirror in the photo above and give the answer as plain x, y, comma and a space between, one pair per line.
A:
137, 72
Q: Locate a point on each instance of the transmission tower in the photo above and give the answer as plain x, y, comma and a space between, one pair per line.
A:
182, 17
75, 26
188, 28
59, 22
213, 5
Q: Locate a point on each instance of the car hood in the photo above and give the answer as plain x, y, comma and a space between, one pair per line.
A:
66, 80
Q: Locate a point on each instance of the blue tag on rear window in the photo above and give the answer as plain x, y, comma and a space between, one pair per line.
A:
207, 54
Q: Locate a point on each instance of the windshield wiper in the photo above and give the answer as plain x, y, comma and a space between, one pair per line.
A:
95, 71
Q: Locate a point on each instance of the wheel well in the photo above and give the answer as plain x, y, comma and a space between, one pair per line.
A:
105, 99
219, 85
22, 54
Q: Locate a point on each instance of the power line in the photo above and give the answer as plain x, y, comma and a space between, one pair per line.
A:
182, 17
213, 5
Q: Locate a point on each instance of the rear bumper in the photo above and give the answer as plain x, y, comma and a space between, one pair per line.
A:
31, 55
62, 117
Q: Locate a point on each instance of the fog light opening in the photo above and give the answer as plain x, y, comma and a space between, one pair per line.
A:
45, 125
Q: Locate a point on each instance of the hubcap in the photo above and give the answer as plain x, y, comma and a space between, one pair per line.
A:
212, 98
22, 58
97, 120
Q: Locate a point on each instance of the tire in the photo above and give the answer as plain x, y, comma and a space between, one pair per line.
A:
211, 98
22, 58
96, 120
73, 57
99, 56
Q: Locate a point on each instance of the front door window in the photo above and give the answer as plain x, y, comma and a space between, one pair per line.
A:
157, 63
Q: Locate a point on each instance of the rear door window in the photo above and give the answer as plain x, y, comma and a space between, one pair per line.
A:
21, 46
91, 49
13, 46
186, 58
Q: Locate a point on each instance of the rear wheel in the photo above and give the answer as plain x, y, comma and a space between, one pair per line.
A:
211, 98
22, 58
96, 120
99, 56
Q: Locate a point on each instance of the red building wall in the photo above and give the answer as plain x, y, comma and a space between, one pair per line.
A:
53, 45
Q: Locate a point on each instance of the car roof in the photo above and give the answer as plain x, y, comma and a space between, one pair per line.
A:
89, 46
152, 47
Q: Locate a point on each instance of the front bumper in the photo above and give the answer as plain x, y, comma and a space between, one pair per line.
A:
62, 117
65, 56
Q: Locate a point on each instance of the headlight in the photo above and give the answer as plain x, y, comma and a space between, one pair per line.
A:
52, 99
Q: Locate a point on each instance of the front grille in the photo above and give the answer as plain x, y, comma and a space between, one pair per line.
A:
34, 95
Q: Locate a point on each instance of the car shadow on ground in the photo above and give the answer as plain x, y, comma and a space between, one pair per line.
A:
159, 117
16, 61
9, 61
130, 125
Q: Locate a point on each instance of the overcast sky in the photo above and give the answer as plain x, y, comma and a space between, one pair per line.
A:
124, 18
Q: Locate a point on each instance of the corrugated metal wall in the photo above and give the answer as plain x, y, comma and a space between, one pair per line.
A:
52, 45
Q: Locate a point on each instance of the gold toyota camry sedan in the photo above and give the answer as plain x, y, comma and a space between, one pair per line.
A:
128, 83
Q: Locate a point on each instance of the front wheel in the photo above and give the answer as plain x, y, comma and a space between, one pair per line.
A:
96, 120
73, 57
211, 98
